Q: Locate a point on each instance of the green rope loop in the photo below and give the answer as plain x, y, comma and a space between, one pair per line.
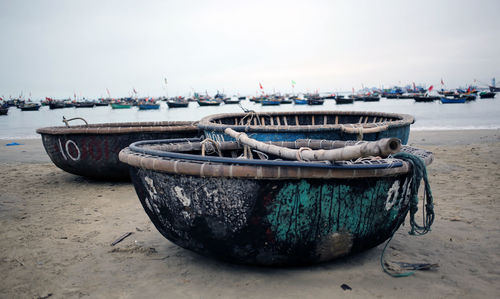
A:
418, 173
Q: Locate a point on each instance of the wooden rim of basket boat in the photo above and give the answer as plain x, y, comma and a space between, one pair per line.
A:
368, 121
163, 156
122, 128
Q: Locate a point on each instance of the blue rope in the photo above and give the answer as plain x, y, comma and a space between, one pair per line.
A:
419, 173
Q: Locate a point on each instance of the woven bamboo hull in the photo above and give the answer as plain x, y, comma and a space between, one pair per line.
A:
272, 222
268, 212
95, 155
290, 126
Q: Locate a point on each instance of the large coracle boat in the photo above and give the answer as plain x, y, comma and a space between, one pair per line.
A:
239, 203
91, 150
330, 125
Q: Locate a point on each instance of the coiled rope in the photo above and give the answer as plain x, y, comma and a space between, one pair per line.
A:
419, 173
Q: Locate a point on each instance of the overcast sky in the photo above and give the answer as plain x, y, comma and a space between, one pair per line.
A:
56, 48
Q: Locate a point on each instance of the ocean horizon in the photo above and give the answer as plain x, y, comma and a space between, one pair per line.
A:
478, 114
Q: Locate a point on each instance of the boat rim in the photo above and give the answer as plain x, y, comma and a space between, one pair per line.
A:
137, 155
402, 120
121, 128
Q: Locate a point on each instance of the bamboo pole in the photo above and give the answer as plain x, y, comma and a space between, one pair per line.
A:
382, 147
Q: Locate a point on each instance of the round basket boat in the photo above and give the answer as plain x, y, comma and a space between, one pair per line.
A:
271, 211
330, 125
92, 150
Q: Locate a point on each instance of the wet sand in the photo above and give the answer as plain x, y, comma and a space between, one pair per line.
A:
56, 229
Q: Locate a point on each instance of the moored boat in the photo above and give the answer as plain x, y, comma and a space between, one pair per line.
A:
92, 150
270, 101
233, 100
426, 98
4, 110
229, 202
120, 105
370, 98
177, 103
56, 105
208, 102
487, 95
148, 105
315, 101
452, 100
340, 100
30, 107
84, 104
330, 125
299, 101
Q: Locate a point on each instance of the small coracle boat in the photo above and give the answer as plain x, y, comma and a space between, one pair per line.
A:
243, 204
330, 125
92, 150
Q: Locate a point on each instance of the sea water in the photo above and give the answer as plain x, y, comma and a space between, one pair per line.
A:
478, 114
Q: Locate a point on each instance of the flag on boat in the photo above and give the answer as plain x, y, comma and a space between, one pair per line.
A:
165, 81
293, 83
414, 87
260, 85
430, 88
442, 83
135, 91
107, 90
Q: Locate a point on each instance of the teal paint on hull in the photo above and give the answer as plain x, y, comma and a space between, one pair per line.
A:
305, 212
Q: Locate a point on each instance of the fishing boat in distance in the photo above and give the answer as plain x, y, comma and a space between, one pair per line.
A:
91, 150
120, 105
340, 100
487, 95
4, 110
270, 101
56, 104
453, 100
426, 98
85, 104
207, 101
299, 100
30, 107
148, 104
329, 125
232, 100
493, 87
230, 201
179, 102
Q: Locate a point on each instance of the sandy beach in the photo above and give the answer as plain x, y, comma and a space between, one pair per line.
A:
56, 229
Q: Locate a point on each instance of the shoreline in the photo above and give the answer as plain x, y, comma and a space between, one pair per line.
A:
56, 229
32, 151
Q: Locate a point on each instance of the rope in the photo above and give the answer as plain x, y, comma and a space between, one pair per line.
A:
66, 121
418, 173
299, 152
215, 144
